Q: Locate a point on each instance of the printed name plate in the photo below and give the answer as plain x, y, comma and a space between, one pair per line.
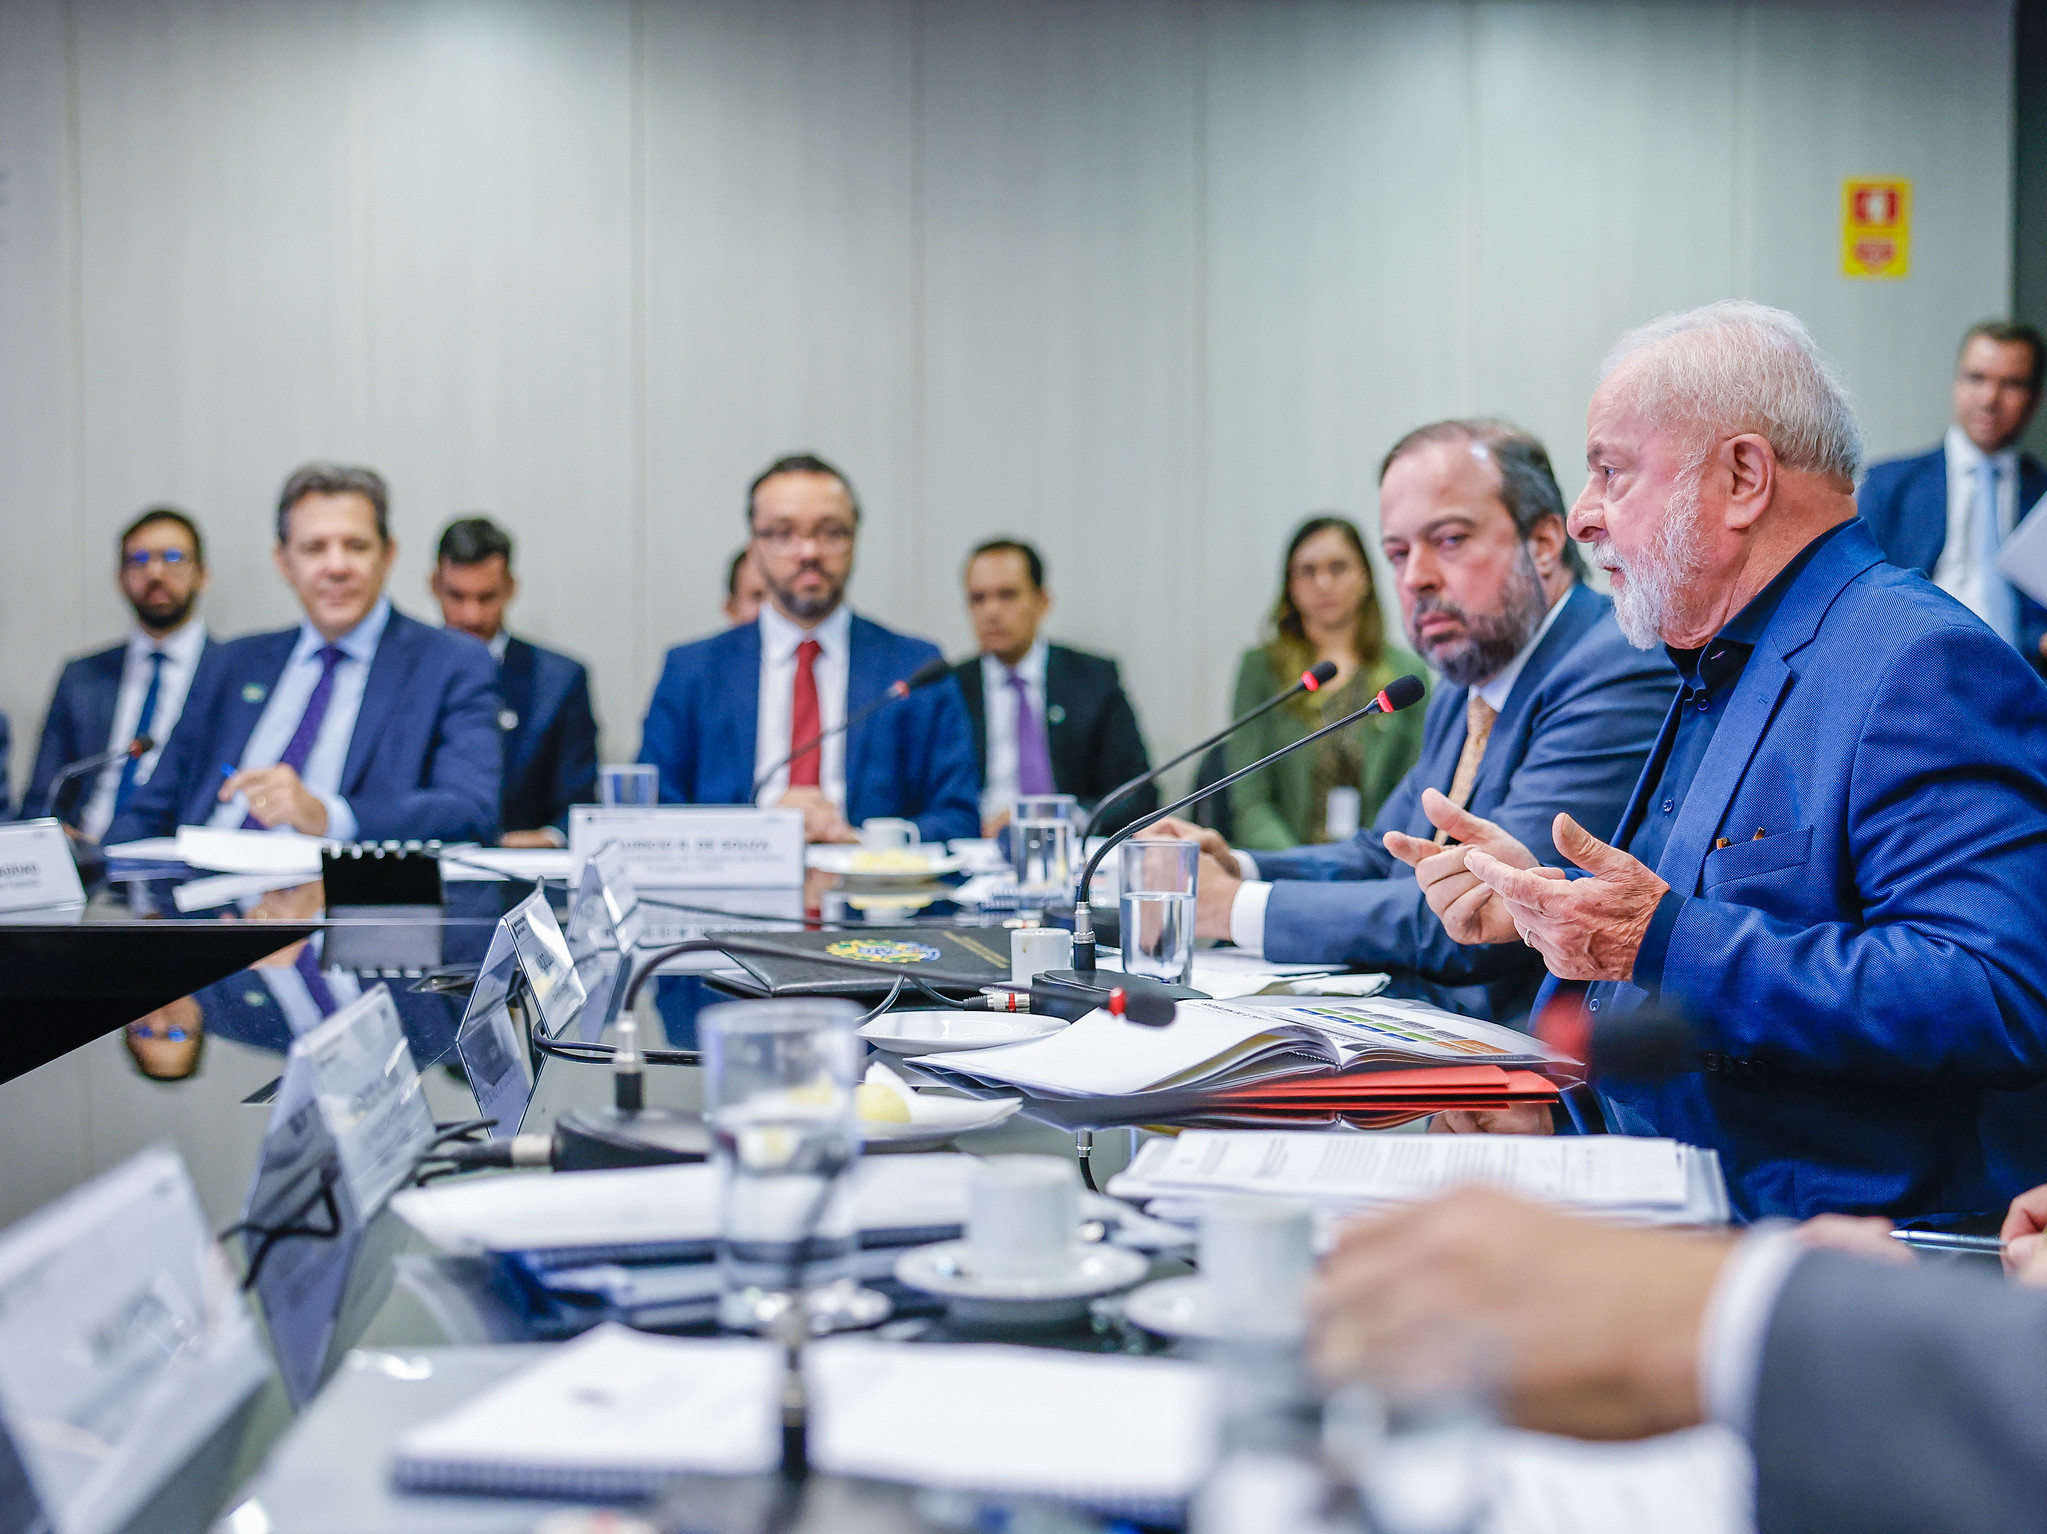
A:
606, 914
124, 1344
528, 943
36, 869
686, 846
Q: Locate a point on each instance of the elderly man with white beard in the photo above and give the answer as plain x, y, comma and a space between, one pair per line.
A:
1833, 862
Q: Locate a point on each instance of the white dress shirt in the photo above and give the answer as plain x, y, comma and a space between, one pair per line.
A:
181, 649
1247, 910
1963, 571
998, 707
1738, 1321
287, 705
499, 642
779, 639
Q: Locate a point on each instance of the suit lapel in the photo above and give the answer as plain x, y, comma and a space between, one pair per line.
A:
101, 701
248, 698
864, 684
390, 668
977, 711
1582, 609
1763, 683
1060, 705
735, 710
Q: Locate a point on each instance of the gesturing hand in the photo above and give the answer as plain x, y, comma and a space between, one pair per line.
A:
1207, 838
1470, 911
1585, 929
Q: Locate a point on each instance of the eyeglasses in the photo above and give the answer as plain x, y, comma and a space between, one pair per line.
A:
832, 538
173, 1034
142, 559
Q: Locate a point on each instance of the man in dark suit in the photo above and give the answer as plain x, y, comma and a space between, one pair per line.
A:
359, 724
138, 687
550, 733
1873, 1396
737, 718
1059, 721
1833, 860
1944, 512
1544, 705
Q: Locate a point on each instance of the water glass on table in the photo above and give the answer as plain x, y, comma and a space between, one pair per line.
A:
779, 1093
630, 783
1041, 829
1158, 908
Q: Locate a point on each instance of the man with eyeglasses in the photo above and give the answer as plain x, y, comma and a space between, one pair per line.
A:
741, 707
136, 688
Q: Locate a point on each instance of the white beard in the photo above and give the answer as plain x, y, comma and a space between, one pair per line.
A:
1654, 588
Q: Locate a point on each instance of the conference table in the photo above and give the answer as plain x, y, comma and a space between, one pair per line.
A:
88, 1107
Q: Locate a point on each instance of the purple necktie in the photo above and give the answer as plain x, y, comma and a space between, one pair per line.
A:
1033, 761
316, 983
301, 744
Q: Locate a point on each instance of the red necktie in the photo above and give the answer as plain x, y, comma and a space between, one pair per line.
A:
805, 719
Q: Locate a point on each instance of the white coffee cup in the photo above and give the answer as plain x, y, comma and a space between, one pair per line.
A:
1255, 1256
1023, 1217
1032, 949
886, 831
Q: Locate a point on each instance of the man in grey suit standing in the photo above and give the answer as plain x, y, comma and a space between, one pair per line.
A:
1545, 701
1874, 1397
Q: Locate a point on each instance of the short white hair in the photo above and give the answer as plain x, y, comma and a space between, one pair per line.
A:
1735, 367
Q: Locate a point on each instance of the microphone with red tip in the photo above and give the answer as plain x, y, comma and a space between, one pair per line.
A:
1397, 695
1314, 679
137, 748
936, 669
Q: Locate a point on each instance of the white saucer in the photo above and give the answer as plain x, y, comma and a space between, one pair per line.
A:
943, 1270
1181, 1307
932, 860
940, 1030
944, 1119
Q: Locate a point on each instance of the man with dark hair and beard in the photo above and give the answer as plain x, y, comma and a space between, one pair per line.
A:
107, 699
1544, 704
748, 716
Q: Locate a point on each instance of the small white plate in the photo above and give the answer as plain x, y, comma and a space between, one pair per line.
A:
940, 1030
931, 861
946, 1269
939, 1120
1178, 1307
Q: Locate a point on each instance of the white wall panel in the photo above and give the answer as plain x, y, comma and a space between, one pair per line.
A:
1148, 281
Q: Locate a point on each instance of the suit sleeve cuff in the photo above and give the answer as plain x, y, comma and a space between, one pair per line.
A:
1247, 866
556, 836
341, 825
1738, 1320
1649, 958
1247, 917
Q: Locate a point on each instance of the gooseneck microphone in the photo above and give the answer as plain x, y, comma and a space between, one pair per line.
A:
1314, 679
937, 669
1404, 693
138, 748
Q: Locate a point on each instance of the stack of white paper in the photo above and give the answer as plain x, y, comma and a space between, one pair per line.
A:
232, 851
1700, 1481
1660, 1182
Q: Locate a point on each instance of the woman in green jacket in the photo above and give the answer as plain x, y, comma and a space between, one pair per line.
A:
1327, 610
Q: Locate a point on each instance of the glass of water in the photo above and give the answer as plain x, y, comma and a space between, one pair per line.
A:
1041, 845
628, 783
1158, 908
779, 1082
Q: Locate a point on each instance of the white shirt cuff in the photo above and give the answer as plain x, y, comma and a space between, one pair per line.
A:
1247, 866
1247, 917
1738, 1319
340, 818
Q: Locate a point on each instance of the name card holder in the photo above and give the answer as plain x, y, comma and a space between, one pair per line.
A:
528, 963
37, 871
688, 846
124, 1350
605, 925
347, 1126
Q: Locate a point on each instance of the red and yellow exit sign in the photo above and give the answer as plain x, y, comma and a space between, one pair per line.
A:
1876, 228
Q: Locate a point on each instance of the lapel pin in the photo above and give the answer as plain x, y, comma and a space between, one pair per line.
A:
1055, 715
508, 720
254, 692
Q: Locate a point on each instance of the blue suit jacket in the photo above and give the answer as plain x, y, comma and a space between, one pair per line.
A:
424, 761
80, 719
1880, 953
551, 742
913, 759
1574, 734
1904, 501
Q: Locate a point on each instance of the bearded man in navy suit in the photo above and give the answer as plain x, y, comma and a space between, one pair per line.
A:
736, 718
358, 724
1944, 512
550, 732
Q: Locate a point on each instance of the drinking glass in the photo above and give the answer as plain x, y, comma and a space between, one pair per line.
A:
1158, 908
1041, 844
628, 783
779, 1080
